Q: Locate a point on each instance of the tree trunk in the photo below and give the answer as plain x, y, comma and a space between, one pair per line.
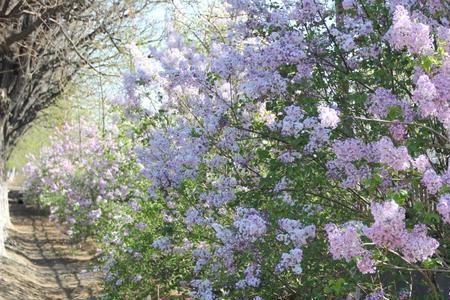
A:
5, 220
4, 216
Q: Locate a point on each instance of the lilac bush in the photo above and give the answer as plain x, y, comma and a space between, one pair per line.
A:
301, 151
78, 175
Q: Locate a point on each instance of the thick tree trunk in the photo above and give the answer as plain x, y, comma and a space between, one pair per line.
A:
5, 204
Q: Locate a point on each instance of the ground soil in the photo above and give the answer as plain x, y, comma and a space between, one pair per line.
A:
41, 263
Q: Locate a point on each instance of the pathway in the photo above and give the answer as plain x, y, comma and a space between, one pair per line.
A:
41, 263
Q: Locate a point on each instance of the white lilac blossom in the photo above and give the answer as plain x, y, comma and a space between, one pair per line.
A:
329, 117
295, 232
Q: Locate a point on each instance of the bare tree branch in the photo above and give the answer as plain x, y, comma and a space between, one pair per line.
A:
44, 44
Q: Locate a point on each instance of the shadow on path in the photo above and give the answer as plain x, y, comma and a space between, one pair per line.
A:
41, 263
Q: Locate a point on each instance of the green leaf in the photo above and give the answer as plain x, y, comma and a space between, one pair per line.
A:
431, 263
395, 113
399, 197
431, 218
337, 285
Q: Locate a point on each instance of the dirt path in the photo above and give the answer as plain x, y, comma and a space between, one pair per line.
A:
41, 264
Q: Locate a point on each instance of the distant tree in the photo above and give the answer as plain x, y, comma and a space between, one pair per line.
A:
43, 45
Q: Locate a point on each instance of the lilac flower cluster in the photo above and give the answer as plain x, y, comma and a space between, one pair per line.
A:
388, 230
224, 192
443, 208
162, 243
389, 225
345, 243
329, 117
295, 232
203, 290
252, 277
249, 224
173, 155
294, 124
432, 94
349, 151
298, 235
377, 295
81, 171
203, 255
432, 181
386, 153
409, 34
382, 102
291, 261
193, 216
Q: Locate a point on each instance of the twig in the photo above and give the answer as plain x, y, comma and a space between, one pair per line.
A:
76, 49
